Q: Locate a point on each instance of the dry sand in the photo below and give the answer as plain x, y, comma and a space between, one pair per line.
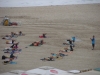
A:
60, 23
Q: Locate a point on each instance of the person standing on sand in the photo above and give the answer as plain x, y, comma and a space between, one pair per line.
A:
93, 42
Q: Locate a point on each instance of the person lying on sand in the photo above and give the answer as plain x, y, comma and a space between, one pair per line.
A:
13, 34
35, 44
65, 43
58, 54
7, 49
13, 24
7, 37
5, 62
15, 45
9, 59
12, 57
10, 49
41, 42
64, 52
4, 57
43, 35
13, 51
10, 42
48, 59
21, 34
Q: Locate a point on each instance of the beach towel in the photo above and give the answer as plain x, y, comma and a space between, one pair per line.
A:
54, 55
12, 62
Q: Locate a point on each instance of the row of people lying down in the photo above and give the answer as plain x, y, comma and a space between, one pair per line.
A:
8, 59
60, 54
11, 50
13, 34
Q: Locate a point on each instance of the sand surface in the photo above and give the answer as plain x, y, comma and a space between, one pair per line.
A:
60, 23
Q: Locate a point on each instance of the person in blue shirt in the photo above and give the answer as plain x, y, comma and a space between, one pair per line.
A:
93, 42
73, 39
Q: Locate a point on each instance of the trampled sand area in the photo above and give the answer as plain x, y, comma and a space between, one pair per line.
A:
60, 23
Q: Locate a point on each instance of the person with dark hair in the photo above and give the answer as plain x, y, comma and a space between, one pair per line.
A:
12, 34
71, 45
62, 55
8, 37
41, 42
51, 58
10, 42
21, 33
35, 44
12, 46
16, 45
12, 57
44, 35
4, 57
93, 42
7, 61
13, 41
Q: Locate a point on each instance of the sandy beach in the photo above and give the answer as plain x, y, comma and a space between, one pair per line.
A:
60, 23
